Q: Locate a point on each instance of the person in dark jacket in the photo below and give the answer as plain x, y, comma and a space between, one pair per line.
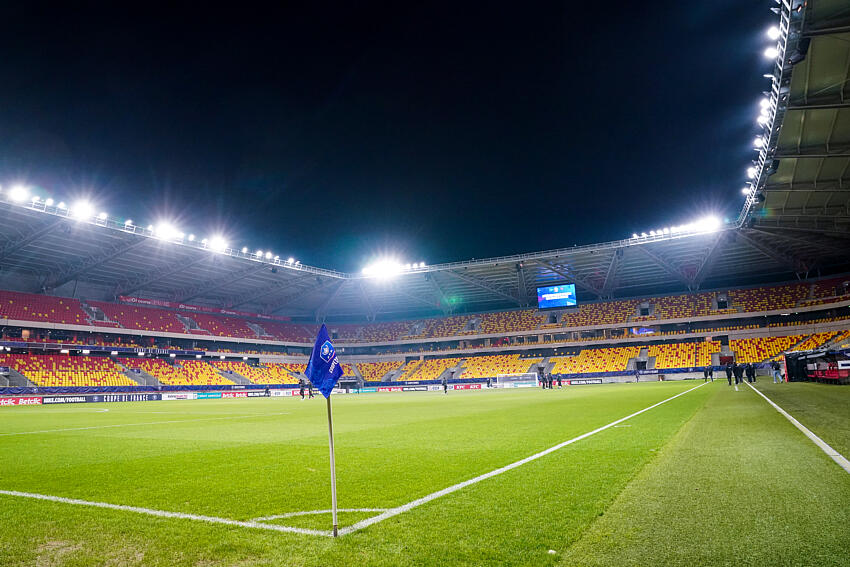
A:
729, 372
751, 372
738, 370
711, 373
301, 388
705, 374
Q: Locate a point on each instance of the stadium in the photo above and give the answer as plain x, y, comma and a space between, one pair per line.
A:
572, 406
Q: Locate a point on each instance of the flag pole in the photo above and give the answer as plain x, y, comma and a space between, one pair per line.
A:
333, 464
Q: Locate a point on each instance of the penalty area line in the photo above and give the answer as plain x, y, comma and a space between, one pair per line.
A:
164, 514
454, 488
840, 459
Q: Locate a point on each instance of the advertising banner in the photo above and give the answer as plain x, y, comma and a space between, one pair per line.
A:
587, 381
234, 394
389, 389
467, 386
64, 399
415, 388
179, 396
30, 401
208, 395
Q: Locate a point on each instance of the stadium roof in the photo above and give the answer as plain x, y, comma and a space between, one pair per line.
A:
795, 222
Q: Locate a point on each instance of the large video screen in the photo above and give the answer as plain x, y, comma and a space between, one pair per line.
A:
559, 296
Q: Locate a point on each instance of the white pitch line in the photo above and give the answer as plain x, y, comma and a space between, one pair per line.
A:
164, 514
832, 453
386, 514
312, 512
454, 488
136, 424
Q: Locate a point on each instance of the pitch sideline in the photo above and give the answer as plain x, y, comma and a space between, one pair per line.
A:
840, 459
385, 515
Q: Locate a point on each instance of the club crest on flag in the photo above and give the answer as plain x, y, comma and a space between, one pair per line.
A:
327, 351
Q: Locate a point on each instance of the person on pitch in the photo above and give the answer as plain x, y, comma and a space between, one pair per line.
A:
445, 385
310, 390
705, 374
751, 372
711, 373
729, 372
301, 388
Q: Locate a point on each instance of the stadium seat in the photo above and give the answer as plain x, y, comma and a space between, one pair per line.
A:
62, 370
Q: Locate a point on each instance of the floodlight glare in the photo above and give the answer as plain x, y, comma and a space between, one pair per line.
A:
268, 255
35, 199
634, 235
773, 33
764, 103
49, 202
218, 244
166, 231
82, 210
382, 269
290, 260
407, 266
191, 238
745, 190
771, 53
62, 205
708, 224
258, 253
751, 172
244, 249
18, 193
758, 142
643, 234
762, 120
102, 216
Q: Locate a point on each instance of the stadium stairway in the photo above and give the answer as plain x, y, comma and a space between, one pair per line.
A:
234, 377
140, 377
17, 380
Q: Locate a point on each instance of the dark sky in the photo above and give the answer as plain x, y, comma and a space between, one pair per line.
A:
438, 132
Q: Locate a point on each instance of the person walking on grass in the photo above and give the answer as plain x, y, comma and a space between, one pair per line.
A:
711, 373
751, 372
705, 374
301, 389
777, 377
729, 372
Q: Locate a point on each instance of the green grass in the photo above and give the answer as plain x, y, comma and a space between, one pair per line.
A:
243, 459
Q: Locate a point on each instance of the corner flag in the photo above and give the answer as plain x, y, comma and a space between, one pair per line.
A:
323, 370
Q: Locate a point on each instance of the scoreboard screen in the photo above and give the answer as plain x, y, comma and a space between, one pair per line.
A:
561, 296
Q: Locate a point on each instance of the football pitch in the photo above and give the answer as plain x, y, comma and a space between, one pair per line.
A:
698, 474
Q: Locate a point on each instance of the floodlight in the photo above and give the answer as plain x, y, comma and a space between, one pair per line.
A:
407, 266
762, 120
244, 358
63, 351
290, 260
172, 355
751, 172
102, 216
86, 351
82, 210
771, 53
258, 253
643, 234
652, 233
19, 193
745, 190
140, 353
244, 249
35, 199
385, 268
421, 264
203, 241
758, 142
634, 235
268, 255
218, 244
764, 103
166, 231
191, 238
150, 227
197, 356
62, 205
666, 231
221, 357
708, 224
114, 353
276, 258
49, 202
773, 33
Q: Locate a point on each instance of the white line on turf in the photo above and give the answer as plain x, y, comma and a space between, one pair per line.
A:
312, 512
135, 424
384, 515
164, 514
833, 454
454, 488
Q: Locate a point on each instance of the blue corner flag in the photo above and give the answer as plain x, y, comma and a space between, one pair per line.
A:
323, 370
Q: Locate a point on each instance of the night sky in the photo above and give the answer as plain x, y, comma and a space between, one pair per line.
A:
434, 132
